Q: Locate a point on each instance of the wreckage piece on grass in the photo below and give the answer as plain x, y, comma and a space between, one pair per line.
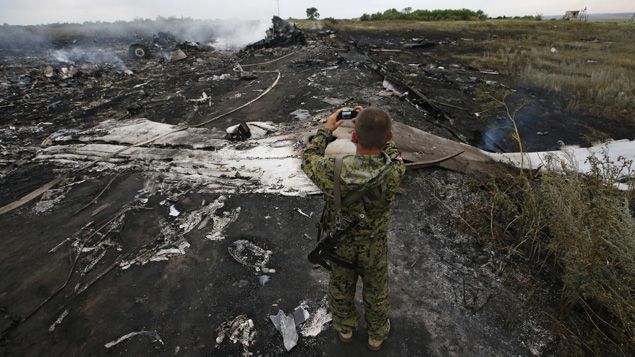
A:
575, 158
251, 255
281, 34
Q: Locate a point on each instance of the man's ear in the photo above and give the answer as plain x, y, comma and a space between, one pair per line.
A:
354, 137
389, 136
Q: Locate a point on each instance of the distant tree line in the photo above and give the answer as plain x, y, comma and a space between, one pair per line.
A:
537, 17
426, 15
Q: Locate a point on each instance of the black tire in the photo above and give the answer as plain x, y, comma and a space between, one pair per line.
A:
138, 51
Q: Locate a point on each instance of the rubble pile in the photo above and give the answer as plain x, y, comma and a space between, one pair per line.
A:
281, 34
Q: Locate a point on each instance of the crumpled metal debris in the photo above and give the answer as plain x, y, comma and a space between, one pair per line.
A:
239, 132
171, 243
203, 99
152, 334
335, 101
240, 329
317, 322
281, 33
391, 87
251, 255
300, 114
174, 212
177, 55
221, 222
200, 218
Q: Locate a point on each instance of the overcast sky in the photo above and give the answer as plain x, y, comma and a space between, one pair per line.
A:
21, 12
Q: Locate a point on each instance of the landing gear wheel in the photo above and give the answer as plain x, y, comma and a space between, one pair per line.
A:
137, 51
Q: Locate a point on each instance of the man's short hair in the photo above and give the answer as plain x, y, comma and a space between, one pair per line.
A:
372, 126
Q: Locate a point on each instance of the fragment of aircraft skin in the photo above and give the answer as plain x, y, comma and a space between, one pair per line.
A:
270, 162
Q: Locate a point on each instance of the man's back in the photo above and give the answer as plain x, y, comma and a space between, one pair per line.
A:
377, 175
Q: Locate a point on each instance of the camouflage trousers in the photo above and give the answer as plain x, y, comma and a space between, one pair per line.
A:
371, 260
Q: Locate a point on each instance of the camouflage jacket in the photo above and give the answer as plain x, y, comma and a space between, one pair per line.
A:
357, 170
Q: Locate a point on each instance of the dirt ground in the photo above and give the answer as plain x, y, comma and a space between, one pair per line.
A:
450, 295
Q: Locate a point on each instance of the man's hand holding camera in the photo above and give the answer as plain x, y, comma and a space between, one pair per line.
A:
337, 118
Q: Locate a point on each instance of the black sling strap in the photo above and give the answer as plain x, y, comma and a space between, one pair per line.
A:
337, 190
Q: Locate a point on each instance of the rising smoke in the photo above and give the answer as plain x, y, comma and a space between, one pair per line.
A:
225, 34
78, 55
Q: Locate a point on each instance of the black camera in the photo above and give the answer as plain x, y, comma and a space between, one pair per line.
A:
347, 114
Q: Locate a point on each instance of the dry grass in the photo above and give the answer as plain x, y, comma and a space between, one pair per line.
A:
584, 227
592, 65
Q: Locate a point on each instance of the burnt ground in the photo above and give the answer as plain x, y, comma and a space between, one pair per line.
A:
450, 294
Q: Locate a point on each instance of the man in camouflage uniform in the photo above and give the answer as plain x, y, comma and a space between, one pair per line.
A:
365, 245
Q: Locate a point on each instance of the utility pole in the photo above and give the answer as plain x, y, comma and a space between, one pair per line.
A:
278, 1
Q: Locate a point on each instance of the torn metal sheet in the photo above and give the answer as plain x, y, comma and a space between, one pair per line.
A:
335, 101
268, 162
285, 324
133, 131
261, 164
152, 334
573, 157
300, 314
300, 114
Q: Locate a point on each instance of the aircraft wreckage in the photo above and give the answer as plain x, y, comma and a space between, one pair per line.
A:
269, 160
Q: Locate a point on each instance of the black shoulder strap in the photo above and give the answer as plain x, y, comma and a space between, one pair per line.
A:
337, 190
